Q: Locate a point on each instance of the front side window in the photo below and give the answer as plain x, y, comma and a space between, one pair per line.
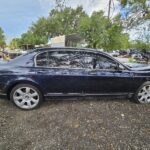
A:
105, 63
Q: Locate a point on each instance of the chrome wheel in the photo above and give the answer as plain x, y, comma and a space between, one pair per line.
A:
144, 95
26, 97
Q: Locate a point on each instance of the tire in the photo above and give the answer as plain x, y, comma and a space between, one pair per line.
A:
26, 96
142, 95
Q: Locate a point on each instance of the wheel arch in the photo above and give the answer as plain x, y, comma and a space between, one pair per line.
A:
15, 83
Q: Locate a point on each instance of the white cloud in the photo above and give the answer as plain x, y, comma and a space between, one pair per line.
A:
88, 5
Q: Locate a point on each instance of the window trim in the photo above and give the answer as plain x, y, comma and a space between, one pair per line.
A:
70, 50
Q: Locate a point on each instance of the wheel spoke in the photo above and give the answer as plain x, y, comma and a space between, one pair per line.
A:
27, 90
29, 103
19, 91
34, 100
141, 94
22, 102
17, 97
144, 89
34, 94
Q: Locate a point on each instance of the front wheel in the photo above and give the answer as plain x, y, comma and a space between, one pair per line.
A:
143, 94
26, 96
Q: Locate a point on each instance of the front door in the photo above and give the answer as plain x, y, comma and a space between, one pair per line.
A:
107, 76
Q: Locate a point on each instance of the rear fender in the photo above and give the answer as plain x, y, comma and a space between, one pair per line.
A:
13, 83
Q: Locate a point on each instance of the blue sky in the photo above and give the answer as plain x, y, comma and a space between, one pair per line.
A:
17, 15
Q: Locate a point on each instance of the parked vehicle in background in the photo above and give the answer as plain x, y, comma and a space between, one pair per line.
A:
136, 65
61, 72
123, 53
114, 53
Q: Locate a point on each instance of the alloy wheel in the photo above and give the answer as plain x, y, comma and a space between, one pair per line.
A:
26, 97
144, 95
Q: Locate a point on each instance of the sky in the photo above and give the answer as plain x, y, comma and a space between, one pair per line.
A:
16, 16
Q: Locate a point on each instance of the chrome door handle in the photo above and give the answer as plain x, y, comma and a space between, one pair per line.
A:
92, 73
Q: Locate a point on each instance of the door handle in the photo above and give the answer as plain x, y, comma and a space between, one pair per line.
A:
39, 71
93, 73
64, 73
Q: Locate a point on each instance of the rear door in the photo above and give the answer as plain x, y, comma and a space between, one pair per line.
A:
60, 73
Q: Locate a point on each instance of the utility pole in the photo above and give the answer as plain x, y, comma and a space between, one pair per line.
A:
109, 8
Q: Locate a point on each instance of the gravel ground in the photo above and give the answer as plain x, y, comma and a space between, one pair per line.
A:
83, 124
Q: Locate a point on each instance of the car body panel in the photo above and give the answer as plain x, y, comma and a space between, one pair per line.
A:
69, 81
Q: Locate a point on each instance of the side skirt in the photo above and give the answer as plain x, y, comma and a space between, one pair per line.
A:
128, 95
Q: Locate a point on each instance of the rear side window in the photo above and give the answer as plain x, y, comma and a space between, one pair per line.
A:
42, 59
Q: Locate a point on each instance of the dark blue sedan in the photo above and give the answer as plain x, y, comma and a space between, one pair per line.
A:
57, 72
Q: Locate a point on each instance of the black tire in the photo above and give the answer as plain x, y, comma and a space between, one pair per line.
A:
38, 98
140, 90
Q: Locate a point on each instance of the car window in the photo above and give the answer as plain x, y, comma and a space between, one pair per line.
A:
70, 59
42, 60
105, 63
75, 60
58, 59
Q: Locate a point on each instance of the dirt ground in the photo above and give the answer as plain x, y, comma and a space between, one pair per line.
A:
83, 124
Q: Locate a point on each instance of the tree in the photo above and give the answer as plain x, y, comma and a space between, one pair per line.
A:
30, 38
135, 11
66, 21
15, 44
138, 44
59, 22
60, 4
101, 33
2, 39
98, 30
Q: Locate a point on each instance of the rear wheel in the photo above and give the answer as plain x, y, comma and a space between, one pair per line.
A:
26, 96
143, 94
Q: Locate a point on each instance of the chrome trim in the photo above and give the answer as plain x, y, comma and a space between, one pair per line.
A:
87, 94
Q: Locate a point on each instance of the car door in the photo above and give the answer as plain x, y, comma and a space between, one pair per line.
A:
60, 73
108, 77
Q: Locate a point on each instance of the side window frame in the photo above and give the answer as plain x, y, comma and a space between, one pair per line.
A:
35, 59
94, 55
107, 58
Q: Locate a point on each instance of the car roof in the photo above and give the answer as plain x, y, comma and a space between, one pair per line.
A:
67, 48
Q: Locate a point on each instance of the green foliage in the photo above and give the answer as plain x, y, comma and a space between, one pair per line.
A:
58, 23
34, 39
138, 11
65, 22
14, 44
101, 33
2, 38
140, 45
97, 29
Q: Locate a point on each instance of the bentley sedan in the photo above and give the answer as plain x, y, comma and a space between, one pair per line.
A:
67, 72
